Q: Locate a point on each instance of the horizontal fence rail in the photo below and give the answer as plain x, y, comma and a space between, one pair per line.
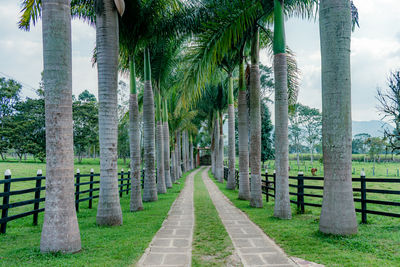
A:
302, 189
86, 188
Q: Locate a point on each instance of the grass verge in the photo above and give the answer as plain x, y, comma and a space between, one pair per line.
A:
101, 246
375, 245
212, 245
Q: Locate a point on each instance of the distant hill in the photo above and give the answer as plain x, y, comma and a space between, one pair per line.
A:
374, 128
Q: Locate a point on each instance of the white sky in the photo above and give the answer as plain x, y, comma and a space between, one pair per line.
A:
375, 52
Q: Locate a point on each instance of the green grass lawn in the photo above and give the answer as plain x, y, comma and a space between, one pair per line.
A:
101, 246
376, 244
212, 245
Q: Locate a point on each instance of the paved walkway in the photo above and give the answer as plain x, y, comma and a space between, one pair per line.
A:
253, 246
172, 245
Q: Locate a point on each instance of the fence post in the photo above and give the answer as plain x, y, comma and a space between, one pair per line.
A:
91, 188
363, 198
128, 182
77, 186
300, 192
266, 186
37, 196
122, 183
274, 183
6, 200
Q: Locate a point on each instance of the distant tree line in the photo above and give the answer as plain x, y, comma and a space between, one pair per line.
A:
22, 124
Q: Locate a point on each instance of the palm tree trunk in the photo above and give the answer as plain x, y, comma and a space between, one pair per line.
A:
109, 209
255, 125
213, 150
244, 186
60, 232
337, 214
173, 166
231, 184
183, 144
134, 120
161, 187
167, 172
167, 169
149, 190
282, 201
192, 165
221, 152
218, 164
179, 154
177, 174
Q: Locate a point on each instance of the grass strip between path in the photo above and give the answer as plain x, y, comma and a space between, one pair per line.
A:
101, 246
375, 244
212, 245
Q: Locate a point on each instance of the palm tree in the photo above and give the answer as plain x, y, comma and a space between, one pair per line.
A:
167, 175
255, 125
338, 213
134, 130
60, 232
161, 187
282, 201
107, 45
243, 128
149, 190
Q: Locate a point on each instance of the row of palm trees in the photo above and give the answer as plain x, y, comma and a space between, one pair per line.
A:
222, 42
220, 36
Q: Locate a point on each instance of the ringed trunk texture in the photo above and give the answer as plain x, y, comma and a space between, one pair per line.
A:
192, 165
60, 232
255, 126
149, 190
282, 208
218, 163
337, 214
244, 186
161, 188
173, 166
167, 169
179, 154
109, 208
136, 195
231, 184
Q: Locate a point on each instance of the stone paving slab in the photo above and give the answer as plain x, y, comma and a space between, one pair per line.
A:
253, 246
172, 244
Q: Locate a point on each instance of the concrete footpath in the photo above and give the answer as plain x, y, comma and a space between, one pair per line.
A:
252, 245
172, 245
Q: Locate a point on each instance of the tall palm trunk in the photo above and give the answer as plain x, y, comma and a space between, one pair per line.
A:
231, 184
149, 190
177, 174
282, 201
255, 125
192, 165
161, 188
187, 151
244, 186
167, 173
134, 130
109, 208
218, 164
183, 144
60, 230
221, 152
337, 214
173, 168
213, 150
179, 162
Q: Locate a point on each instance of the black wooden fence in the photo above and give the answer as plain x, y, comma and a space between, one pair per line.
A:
302, 189
84, 191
